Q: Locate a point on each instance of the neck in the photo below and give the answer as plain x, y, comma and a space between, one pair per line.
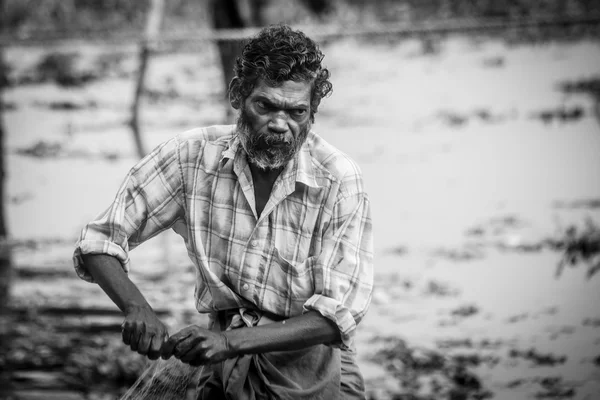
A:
269, 175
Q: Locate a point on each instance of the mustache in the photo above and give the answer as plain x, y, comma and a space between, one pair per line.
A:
272, 139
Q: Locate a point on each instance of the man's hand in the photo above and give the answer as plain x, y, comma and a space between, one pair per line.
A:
143, 331
197, 346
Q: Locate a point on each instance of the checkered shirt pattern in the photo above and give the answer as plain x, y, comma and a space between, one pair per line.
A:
310, 249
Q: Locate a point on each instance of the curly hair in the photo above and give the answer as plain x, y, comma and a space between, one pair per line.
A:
278, 54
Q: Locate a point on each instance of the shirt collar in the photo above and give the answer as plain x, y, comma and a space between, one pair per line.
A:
305, 171
231, 149
300, 168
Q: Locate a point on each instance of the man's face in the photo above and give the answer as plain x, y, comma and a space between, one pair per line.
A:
274, 122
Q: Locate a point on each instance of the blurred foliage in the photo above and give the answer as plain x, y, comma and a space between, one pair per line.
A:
425, 374
580, 245
391, 10
536, 358
60, 67
23, 16
590, 86
71, 68
66, 15
34, 343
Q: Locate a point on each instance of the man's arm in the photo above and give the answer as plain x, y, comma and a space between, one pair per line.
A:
197, 346
148, 202
345, 265
142, 330
295, 333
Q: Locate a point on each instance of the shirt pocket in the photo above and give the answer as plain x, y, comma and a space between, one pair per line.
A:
296, 279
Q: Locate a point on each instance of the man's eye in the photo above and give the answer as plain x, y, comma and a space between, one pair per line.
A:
298, 112
261, 105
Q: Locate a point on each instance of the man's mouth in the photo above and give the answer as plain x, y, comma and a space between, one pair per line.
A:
279, 144
271, 142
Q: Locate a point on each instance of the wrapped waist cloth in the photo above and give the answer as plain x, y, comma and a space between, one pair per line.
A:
310, 373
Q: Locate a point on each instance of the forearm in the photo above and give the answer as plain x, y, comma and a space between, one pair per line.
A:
108, 273
292, 334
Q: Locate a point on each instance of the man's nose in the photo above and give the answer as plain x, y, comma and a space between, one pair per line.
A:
278, 122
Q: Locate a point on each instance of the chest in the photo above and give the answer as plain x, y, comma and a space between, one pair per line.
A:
221, 220
262, 192
263, 186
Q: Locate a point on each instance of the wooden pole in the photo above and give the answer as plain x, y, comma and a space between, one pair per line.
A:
5, 251
155, 16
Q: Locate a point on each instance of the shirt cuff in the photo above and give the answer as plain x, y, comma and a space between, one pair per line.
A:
97, 247
336, 312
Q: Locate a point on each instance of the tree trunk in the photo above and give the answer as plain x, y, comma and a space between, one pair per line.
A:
233, 14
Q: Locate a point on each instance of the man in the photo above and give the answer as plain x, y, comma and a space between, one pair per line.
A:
277, 224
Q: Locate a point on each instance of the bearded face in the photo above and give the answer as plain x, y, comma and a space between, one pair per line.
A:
274, 122
268, 150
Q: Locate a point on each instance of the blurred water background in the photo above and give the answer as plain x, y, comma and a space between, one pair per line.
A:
476, 124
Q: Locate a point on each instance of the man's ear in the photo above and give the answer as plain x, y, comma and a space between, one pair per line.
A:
235, 98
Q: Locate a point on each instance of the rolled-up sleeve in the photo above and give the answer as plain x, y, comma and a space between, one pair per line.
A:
344, 270
149, 201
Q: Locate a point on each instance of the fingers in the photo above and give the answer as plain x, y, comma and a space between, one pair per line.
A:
195, 356
207, 351
181, 342
195, 346
155, 347
184, 345
144, 339
144, 343
188, 349
201, 347
133, 331
126, 333
168, 347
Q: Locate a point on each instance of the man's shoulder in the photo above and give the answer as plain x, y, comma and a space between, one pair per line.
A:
215, 134
205, 143
330, 160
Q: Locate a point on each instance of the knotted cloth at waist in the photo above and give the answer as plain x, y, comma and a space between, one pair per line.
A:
310, 373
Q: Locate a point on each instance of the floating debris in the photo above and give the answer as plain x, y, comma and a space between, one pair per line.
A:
69, 105
584, 86
465, 311
494, 62
436, 288
579, 246
453, 343
595, 322
429, 374
517, 318
537, 358
468, 252
588, 204
554, 388
561, 114
61, 69
399, 250
42, 149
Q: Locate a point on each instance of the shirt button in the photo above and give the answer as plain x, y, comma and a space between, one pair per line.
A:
246, 286
254, 243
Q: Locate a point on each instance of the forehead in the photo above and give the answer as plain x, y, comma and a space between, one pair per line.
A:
289, 92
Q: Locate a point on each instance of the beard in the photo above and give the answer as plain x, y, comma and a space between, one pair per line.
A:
268, 151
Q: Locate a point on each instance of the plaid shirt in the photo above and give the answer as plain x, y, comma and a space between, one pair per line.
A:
310, 249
